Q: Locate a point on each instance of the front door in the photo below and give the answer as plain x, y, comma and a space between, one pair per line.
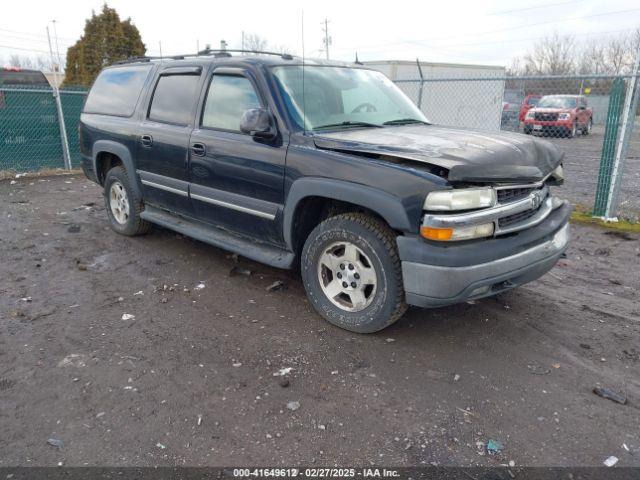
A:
236, 179
163, 143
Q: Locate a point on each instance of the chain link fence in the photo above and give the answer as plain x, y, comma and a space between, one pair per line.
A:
582, 115
30, 137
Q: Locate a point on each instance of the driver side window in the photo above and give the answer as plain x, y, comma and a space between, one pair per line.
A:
229, 96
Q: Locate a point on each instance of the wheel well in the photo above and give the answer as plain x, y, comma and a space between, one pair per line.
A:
105, 161
313, 210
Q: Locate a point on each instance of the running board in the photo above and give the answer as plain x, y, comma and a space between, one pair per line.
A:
217, 237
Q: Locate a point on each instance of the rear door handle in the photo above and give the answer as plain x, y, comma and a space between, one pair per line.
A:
146, 140
199, 149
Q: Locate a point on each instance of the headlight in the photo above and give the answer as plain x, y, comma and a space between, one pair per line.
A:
564, 116
530, 114
462, 199
457, 233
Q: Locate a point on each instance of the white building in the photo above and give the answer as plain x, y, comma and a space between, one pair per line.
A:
452, 94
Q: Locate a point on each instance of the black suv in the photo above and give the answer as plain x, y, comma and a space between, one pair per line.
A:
329, 167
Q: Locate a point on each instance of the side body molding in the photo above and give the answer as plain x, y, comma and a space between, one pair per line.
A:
121, 152
384, 204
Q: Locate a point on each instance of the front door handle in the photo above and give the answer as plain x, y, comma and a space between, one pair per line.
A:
146, 140
199, 149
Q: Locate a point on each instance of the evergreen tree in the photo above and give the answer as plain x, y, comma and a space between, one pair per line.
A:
106, 39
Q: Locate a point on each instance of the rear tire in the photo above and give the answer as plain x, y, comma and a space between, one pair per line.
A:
123, 205
352, 273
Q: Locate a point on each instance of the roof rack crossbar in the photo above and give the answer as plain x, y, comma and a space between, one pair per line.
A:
204, 53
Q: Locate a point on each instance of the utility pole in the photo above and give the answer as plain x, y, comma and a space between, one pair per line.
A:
56, 93
327, 37
242, 43
55, 37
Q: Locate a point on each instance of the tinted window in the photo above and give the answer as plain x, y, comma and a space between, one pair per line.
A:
228, 98
22, 77
173, 99
116, 90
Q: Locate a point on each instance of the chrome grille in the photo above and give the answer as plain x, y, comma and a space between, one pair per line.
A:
516, 218
507, 195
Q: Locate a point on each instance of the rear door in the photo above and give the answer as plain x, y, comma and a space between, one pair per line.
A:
236, 179
163, 142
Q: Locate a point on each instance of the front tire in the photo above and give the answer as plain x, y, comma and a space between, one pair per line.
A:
352, 273
587, 129
123, 205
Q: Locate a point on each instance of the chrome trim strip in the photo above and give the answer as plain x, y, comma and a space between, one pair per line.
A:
164, 187
233, 206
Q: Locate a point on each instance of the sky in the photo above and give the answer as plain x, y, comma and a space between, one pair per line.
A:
490, 32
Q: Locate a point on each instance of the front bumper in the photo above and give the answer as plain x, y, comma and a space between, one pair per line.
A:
435, 276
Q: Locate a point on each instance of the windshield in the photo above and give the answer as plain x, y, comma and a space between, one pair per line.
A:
337, 97
533, 101
557, 102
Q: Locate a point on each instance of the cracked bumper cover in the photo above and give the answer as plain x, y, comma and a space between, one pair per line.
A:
438, 275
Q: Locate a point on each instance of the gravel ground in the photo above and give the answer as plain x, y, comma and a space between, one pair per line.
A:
188, 376
582, 162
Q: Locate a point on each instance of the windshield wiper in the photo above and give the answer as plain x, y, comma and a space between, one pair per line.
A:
404, 121
348, 123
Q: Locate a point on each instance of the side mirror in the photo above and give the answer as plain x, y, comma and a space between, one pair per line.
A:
258, 122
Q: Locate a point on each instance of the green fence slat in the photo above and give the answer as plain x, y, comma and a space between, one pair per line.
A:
616, 99
29, 128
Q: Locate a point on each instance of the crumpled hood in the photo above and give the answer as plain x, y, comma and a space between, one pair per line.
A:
468, 155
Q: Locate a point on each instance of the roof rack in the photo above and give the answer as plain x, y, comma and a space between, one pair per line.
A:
204, 53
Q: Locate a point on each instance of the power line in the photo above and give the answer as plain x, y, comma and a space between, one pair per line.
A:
516, 10
493, 42
424, 43
28, 49
528, 25
34, 34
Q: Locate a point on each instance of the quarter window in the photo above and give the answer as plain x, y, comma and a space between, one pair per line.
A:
227, 100
116, 90
173, 99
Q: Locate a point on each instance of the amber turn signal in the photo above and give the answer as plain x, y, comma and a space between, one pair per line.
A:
441, 234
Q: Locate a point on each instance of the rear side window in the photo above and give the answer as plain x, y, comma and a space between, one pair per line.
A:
173, 99
227, 100
116, 91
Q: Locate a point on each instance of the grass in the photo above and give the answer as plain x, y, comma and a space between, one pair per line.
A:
582, 215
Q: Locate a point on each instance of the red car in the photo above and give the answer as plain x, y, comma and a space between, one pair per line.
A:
560, 115
528, 103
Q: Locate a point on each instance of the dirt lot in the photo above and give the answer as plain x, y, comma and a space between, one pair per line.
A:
190, 378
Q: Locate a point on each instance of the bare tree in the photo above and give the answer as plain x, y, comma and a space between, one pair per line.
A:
254, 42
593, 59
40, 62
551, 56
618, 52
